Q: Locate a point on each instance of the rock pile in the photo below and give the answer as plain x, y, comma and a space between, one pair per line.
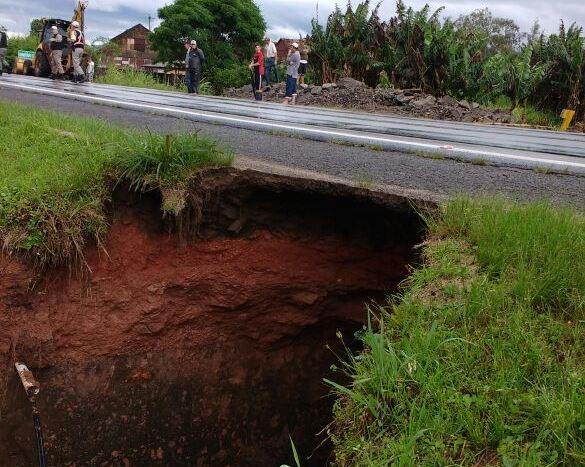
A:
349, 93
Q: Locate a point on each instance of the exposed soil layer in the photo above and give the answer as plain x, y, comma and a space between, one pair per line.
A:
199, 341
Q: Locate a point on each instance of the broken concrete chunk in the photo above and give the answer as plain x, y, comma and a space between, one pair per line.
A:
428, 101
316, 90
465, 104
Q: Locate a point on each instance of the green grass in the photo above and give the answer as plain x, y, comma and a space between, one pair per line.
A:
58, 171
428, 154
481, 361
532, 116
528, 115
138, 79
479, 161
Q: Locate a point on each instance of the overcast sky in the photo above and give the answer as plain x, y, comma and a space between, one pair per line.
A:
285, 18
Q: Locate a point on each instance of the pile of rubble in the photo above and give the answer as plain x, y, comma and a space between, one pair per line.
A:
348, 93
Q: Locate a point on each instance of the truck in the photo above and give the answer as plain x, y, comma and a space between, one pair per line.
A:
38, 62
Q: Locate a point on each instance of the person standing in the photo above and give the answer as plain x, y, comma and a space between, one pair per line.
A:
257, 67
304, 52
194, 64
271, 57
3, 47
77, 40
292, 74
90, 70
187, 77
57, 46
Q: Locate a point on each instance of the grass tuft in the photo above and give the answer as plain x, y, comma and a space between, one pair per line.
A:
482, 360
166, 163
57, 174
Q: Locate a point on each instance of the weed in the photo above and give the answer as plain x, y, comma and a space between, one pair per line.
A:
366, 182
374, 147
295, 453
429, 155
479, 161
542, 170
370, 146
342, 142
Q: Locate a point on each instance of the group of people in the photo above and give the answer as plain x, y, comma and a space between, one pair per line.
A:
264, 66
76, 40
57, 45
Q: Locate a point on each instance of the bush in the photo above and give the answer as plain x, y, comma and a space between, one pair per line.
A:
135, 78
234, 76
20, 43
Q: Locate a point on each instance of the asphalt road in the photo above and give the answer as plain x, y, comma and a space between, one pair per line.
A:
430, 178
499, 145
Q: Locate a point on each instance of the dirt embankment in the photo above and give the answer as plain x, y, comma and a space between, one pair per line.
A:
355, 95
208, 350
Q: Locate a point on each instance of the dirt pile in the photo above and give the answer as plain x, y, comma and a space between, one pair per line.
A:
351, 94
202, 345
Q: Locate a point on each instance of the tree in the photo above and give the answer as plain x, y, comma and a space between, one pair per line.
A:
503, 33
36, 26
225, 29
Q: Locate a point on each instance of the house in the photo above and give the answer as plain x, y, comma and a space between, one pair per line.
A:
282, 47
134, 47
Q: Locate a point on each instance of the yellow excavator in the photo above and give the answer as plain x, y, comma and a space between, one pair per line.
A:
39, 63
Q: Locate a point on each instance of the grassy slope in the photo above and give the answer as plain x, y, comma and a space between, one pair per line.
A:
57, 172
482, 361
138, 79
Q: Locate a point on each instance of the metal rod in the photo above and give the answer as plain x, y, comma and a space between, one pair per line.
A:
39, 435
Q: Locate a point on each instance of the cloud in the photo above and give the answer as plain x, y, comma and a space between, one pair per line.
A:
110, 17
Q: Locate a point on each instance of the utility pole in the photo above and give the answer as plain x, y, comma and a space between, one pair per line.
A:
149, 19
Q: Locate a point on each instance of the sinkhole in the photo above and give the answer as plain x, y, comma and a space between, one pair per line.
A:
201, 340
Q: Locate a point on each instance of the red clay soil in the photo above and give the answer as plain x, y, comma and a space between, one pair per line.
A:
206, 353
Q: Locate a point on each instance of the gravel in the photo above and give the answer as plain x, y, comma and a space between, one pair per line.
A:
359, 165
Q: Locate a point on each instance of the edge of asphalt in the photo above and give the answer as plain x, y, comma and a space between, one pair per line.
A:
383, 142
416, 196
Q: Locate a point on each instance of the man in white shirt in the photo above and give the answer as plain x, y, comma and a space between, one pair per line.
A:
270, 59
90, 70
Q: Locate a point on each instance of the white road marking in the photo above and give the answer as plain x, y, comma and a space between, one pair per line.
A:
271, 125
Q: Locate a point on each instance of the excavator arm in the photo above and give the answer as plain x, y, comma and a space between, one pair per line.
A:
79, 13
